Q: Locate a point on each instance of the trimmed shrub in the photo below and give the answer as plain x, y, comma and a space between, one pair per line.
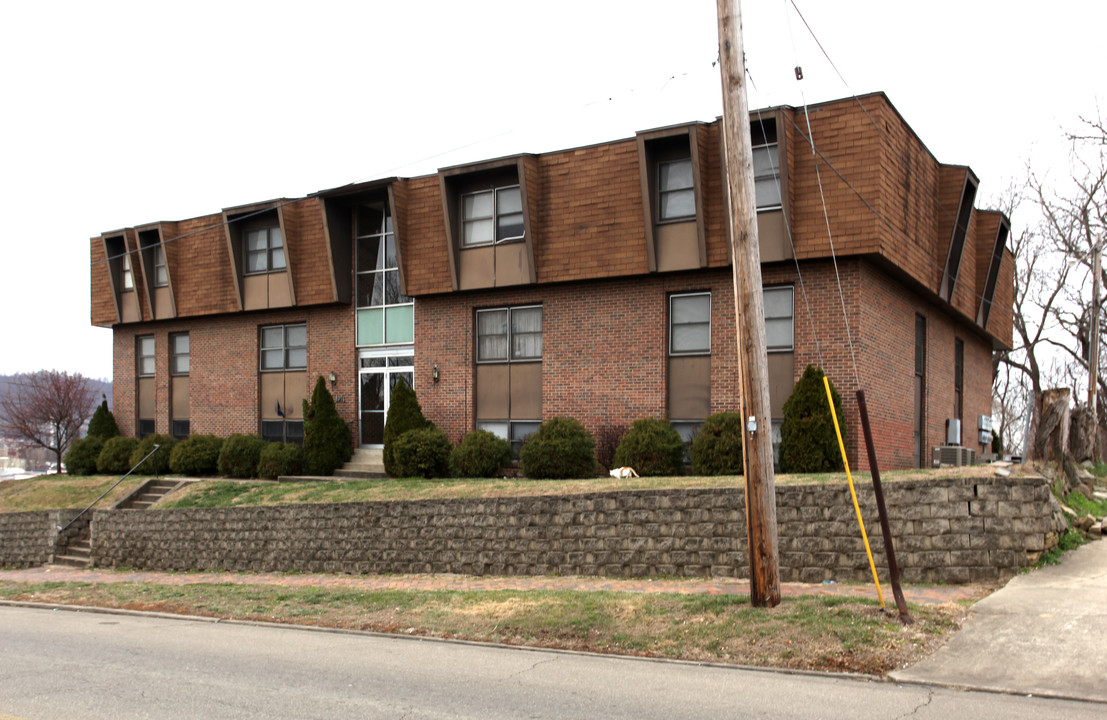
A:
280, 459
157, 464
196, 455
717, 446
115, 456
102, 424
561, 448
404, 414
651, 447
808, 442
82, 455
424, 452
239, 456
327, 441
481, 454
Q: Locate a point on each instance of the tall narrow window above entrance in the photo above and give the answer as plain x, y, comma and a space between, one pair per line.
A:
385, 315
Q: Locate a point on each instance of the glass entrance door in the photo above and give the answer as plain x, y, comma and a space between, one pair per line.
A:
378, 375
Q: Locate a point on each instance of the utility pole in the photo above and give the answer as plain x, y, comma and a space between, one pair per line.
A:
749, 314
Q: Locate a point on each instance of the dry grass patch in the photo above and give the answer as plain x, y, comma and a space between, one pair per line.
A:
47, 492
222, 493
811, 632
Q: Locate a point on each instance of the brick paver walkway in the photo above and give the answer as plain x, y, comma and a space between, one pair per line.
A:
931, 594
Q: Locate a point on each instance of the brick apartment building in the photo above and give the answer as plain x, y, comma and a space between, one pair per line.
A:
591, 282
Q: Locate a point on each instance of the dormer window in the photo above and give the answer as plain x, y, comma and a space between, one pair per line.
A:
128, 274
264, 250
161, 277
675, 190
492, 216
766, 164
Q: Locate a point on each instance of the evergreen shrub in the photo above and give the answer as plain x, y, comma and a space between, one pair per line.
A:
327, 440
651, 447
481, 454
424, 453
115, 456
280, 459
808, 442
82, 455
717, 447
157, 464
404, 414
196, 455
102, 424
561, 448
239, 456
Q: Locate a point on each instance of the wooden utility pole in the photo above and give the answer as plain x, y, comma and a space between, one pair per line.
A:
749, 313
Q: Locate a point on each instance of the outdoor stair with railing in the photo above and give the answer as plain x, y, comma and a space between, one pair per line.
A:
76, 550
147, 494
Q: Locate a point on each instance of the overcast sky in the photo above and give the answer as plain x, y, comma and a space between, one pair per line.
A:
117, 114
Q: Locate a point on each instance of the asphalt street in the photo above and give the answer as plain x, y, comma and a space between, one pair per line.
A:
63, 663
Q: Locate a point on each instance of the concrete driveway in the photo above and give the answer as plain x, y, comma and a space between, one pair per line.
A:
1044, 633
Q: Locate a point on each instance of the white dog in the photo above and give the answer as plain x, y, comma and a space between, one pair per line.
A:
623, 472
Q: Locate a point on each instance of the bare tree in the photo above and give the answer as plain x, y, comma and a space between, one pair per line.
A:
47, 408
1040, 278
1074, 223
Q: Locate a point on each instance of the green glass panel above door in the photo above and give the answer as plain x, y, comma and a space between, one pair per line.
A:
399, 324
370, 326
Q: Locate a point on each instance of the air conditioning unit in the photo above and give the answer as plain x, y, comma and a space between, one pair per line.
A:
954, 455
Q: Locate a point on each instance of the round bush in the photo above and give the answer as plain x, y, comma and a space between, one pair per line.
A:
82, 455
561, 448
481, 454
651, 447
239, 456
115, 457
808, 442
422, 453
717, 447
196, 455
280, 459
157, 464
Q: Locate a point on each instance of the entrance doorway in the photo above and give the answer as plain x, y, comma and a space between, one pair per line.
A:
378, 373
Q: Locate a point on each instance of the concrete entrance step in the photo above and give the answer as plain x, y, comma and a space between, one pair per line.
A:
366, 463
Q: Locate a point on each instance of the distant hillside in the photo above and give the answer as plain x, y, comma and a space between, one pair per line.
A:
100, 387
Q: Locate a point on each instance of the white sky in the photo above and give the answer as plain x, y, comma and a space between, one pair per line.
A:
115, 114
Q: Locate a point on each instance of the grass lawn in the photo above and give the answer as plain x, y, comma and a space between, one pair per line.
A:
63, 491
47, 492
811, 632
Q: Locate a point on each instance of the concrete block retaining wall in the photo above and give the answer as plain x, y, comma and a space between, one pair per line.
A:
953, 530
27, 539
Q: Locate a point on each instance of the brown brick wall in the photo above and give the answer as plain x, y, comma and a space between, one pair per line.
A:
604, 351
223, 373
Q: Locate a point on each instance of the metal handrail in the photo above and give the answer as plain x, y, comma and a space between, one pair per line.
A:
62, 529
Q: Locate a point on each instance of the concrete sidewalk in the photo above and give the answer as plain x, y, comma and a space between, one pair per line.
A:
1044, 633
